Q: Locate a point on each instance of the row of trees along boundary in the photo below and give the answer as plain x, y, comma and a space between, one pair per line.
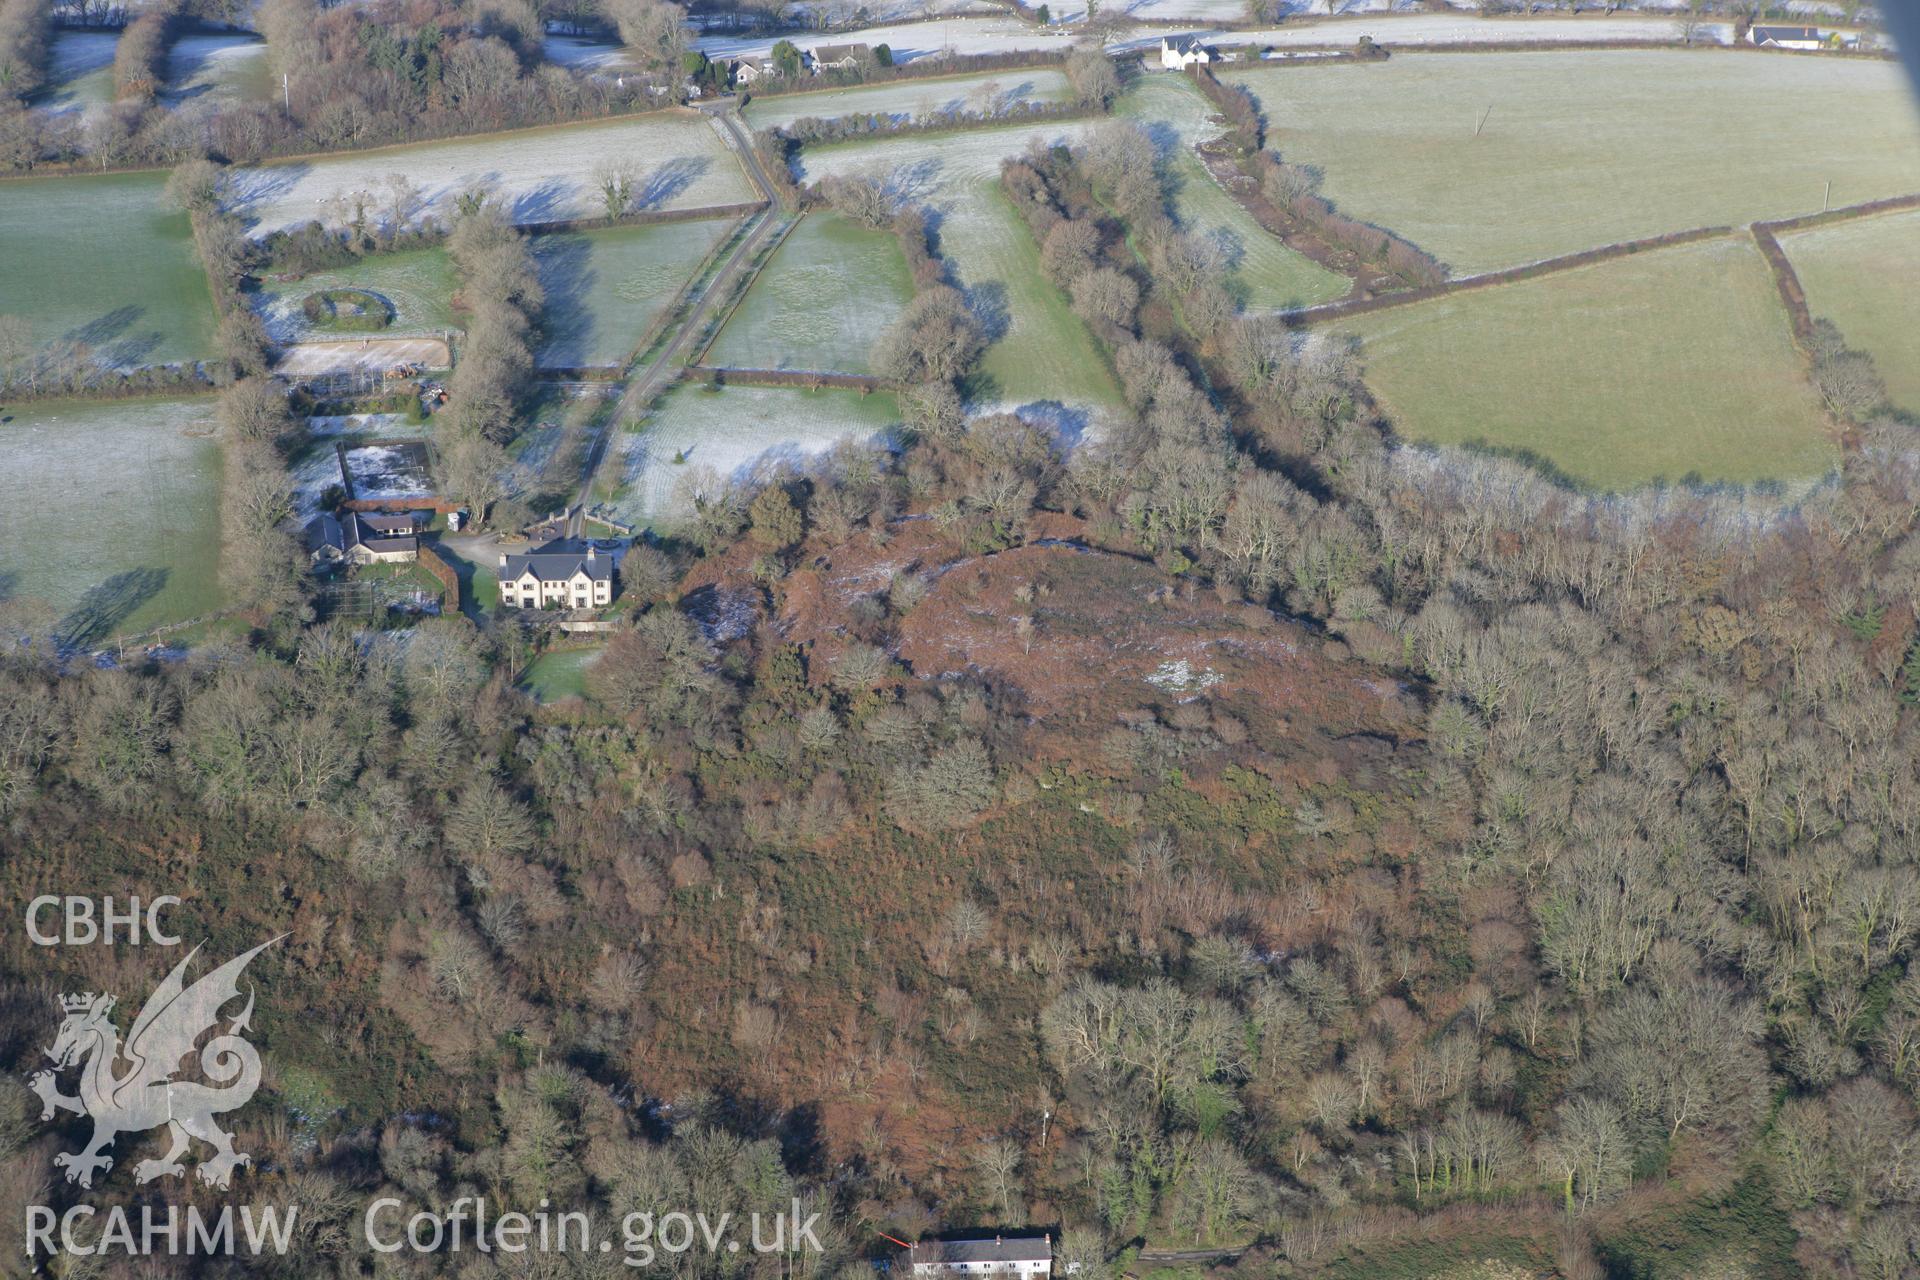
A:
810, 379
926, 68
864, 126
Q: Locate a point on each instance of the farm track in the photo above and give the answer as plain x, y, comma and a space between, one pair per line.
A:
645, 382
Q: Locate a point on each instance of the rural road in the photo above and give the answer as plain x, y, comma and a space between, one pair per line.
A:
641, 386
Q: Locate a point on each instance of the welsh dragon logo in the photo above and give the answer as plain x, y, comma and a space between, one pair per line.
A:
145, 1095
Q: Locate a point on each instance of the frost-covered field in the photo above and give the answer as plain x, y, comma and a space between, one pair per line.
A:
915, 99
221, 66
831, 290
419, 284
1042, 360
1865, 277
604, 288
97, 259
543, 174
110, 512
910, 40
1350, 20
699, 436
1567, 161
583, 54
1668, 363
1263, 271
80, 72
1402, 28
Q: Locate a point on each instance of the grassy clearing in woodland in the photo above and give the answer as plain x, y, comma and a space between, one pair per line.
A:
419, 284
1042, 359
99, 259
916, 99
698, 434
112, 512
831, 290
544, 175
603, 288
79, 72
1864, 275
559, 675
1656, 367
1579, 149
1263, 272
220, 66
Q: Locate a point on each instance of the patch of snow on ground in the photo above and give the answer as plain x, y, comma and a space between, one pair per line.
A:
348, 424
1179, 676
389, 471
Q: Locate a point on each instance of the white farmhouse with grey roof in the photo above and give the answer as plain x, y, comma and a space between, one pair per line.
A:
1021, 1257
1788, 38
1177, 53
566, 574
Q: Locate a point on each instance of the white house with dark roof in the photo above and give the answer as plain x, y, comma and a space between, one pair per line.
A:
1012, 1257
1177, 53
1788, 37
565, 574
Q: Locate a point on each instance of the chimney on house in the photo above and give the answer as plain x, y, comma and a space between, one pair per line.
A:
590, 551
503, 559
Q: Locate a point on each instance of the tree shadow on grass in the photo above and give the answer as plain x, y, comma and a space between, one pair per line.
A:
988, 302
101, 331
1068, 424
548, 202
106, 606
109, 342
669, 180
246, 192
566, 277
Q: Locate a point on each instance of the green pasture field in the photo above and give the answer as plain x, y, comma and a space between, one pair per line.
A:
1042, 359
111, 512
1864, 275
1264, 273
604, 288
701, 433
419, 283
1667, 365
99, 258
1576, 149
559, 675
915, 99
830, 291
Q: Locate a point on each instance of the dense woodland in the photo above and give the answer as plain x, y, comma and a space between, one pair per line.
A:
354, 76
1524, 875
